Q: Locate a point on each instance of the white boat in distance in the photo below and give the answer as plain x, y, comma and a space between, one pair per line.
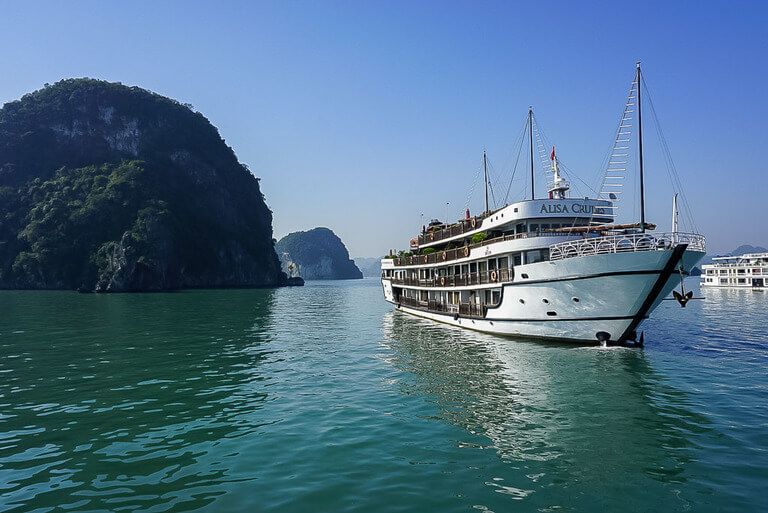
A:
744, 271
554, 268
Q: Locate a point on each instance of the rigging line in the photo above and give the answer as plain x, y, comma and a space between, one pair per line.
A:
490, 183
570, 173
614, 147
544, 144
475, 180
521, 140
671, 168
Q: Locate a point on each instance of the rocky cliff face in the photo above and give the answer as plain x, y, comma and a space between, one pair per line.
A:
113, 188
317, 254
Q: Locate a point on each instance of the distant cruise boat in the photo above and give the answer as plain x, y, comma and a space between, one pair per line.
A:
553, 268
745, 271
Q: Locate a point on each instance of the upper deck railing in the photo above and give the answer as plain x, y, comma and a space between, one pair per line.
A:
463, 252
464, 226
629, 243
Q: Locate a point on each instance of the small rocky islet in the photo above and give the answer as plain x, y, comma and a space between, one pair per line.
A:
111, 188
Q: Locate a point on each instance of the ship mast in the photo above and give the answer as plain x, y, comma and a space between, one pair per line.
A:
485, 173
640, 148
530, 140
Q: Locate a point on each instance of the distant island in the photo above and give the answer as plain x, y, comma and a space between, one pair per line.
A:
317, 254
370, 266
105, 187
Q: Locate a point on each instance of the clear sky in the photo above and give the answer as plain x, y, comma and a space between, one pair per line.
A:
361, 115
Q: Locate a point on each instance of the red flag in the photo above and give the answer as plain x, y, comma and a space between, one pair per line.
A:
552, 157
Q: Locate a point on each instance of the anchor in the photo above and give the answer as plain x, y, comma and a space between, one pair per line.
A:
682, 297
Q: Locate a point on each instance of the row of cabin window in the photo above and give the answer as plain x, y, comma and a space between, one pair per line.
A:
536, 227
711, 272
474, 297
531, 257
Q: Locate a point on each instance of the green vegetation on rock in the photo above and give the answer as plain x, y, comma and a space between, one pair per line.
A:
114, 188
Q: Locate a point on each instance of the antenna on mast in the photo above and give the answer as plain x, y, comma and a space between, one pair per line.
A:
675, 216
485, 172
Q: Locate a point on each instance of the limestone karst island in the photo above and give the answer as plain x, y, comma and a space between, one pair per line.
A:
110, 188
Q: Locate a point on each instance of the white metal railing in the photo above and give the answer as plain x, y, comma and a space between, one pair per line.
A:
629, 243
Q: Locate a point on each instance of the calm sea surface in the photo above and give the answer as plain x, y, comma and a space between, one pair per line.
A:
323, 399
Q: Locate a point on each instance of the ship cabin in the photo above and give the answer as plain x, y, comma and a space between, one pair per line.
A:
460, 267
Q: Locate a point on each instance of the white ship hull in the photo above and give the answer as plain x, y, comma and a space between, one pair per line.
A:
577, 299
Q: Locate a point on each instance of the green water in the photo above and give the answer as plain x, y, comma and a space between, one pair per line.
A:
322, 399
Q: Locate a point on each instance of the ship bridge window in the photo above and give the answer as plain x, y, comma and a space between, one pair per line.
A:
536, 255
517, 259
534, 228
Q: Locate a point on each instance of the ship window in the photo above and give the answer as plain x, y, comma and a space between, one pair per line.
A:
575, 300
522, 301
524, 275
546, 301
516, 259
534, 227
533, 256
503, 262
515, 209
551, 313
496, 296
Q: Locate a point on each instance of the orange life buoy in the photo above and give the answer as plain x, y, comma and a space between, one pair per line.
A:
431, 235
494, 276
425, 259
466, 251
445, 255
474, 222
442, 280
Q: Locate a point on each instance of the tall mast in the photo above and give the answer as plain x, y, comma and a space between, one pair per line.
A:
485, 173
530, 140
640, 148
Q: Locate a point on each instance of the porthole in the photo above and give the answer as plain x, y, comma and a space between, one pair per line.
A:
551, 313
524, 275
575, 300
522, 301
546, 301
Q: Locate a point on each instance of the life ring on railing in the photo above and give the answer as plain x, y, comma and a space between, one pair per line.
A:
425, 259
474, 222
445, 255
442, 280
466, 251
431, 235
494, 276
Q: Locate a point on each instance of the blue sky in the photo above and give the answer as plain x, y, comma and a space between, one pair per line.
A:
360, 115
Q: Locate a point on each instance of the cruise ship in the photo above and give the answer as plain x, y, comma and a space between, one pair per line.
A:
550, 268
745, 271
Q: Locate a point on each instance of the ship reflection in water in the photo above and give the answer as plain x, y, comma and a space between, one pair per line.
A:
576, 422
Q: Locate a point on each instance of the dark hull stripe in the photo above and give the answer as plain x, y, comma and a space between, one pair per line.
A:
642, 313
